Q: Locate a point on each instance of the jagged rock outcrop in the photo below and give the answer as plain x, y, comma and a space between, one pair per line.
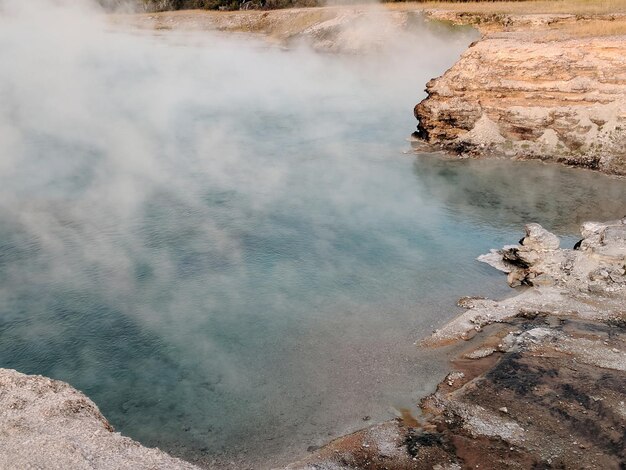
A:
588, 281
527, 94
46, 423
597, 262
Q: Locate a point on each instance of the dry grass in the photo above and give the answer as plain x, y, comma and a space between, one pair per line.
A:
577, 7
592, 28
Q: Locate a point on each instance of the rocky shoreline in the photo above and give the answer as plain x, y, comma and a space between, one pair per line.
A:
542, 380
346, 30
542, 383
548, 87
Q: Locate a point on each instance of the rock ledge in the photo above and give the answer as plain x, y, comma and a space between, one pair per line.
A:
529, 91
46, 423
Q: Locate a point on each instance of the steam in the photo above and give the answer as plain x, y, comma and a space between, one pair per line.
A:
144, 179
95, 124
212, 236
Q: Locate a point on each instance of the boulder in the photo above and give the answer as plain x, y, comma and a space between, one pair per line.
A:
538, 238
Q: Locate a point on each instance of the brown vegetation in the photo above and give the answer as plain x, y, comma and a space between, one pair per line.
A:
576, 7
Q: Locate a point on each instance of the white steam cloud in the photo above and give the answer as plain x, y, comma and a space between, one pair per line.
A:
139, 174
211, 236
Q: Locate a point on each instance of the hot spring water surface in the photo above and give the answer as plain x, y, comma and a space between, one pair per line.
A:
230, 248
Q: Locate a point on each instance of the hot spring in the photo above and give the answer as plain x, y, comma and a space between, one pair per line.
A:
232, 248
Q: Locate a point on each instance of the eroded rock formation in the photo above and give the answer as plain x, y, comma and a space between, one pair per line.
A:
588, 282
533, 94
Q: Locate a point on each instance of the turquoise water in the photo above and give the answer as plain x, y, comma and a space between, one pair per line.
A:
232, 248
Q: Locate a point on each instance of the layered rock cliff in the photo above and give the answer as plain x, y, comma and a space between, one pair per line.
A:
526, 93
